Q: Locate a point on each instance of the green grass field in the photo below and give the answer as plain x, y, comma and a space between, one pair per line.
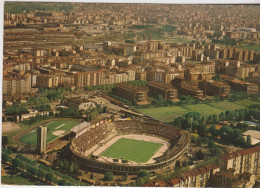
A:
31, 137
246, 102
169, 113
256, 48
225, 105
132, 150
204, 109
15, 180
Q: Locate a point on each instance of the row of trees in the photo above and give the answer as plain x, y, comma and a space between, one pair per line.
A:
43, 108
196, 122
110, 87
67, 166
16, 111
39, 117
32, 169
106, 87
188, 100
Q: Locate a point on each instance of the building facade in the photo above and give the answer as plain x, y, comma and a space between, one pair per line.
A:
41, 139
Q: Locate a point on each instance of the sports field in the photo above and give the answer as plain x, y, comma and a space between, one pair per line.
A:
225, 105
204, 109
54, 129
132, 150
169, 113
246, 102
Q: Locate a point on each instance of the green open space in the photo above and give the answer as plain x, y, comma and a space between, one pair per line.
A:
167, 113
15, 180
256, 48
132, 150
246, 102
225, 105
204, 109
52, 126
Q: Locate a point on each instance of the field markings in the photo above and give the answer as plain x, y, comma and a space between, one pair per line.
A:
60, 126
49, 123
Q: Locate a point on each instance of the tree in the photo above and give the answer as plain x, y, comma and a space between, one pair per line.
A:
108, 176
32, 170
6, 157
125, 176
215, 118
41, 173
142, 177
213, 131
16, 162
49, 177
177, 165
143, 174
200, 155
185, 164
202, 129
61, 182
248, 140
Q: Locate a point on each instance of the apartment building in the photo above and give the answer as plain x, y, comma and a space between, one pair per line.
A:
238, 85
166, 90
247, 160
90, 78
16, 83
199, 177
187, 88
231, 179
44, 81
212, 87
132, 93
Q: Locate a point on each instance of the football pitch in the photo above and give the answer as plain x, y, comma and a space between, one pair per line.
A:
132, 150
53, 126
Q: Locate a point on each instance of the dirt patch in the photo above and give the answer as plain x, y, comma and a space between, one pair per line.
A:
9, 127
58, 133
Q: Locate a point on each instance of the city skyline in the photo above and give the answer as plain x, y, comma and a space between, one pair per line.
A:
130, 94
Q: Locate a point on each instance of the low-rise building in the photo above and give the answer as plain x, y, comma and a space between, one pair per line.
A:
80, 103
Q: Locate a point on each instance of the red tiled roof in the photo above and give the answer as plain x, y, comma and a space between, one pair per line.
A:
250, 150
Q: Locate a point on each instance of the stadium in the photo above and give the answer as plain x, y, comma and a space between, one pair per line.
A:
128, 145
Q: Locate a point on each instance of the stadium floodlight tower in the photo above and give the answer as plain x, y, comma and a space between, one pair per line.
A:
41, 139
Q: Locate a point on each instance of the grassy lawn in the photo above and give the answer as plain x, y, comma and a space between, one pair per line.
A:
180, 40
132, 150
256, 48
204, 109
225, 105
246, 102
168, 113
17, 180
52, 126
